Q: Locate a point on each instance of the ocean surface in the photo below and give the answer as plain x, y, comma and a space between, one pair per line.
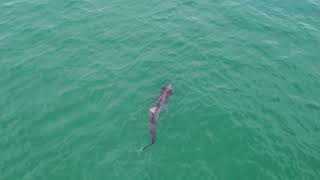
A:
77, 78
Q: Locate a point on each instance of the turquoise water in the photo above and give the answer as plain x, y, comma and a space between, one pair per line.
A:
77, 79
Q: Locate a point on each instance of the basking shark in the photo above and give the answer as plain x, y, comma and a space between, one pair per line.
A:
165, 93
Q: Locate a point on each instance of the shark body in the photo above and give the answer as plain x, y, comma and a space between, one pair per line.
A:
165, 93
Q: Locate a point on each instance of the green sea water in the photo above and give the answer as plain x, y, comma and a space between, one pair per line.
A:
77, 78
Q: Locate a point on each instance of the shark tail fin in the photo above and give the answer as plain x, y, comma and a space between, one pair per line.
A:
153, 110
145, 147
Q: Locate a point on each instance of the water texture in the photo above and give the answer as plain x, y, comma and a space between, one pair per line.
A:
77, 79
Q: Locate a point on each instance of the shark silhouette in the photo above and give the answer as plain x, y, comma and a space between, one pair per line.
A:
165, 93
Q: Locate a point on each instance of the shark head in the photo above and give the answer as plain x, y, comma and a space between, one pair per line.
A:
169, 86
169, 90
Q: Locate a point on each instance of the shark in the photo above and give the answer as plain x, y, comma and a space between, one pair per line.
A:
165, 93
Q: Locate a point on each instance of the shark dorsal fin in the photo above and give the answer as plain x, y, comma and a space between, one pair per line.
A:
153, 109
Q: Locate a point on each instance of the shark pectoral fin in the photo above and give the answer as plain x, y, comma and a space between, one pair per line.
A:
166, 108
152, 110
